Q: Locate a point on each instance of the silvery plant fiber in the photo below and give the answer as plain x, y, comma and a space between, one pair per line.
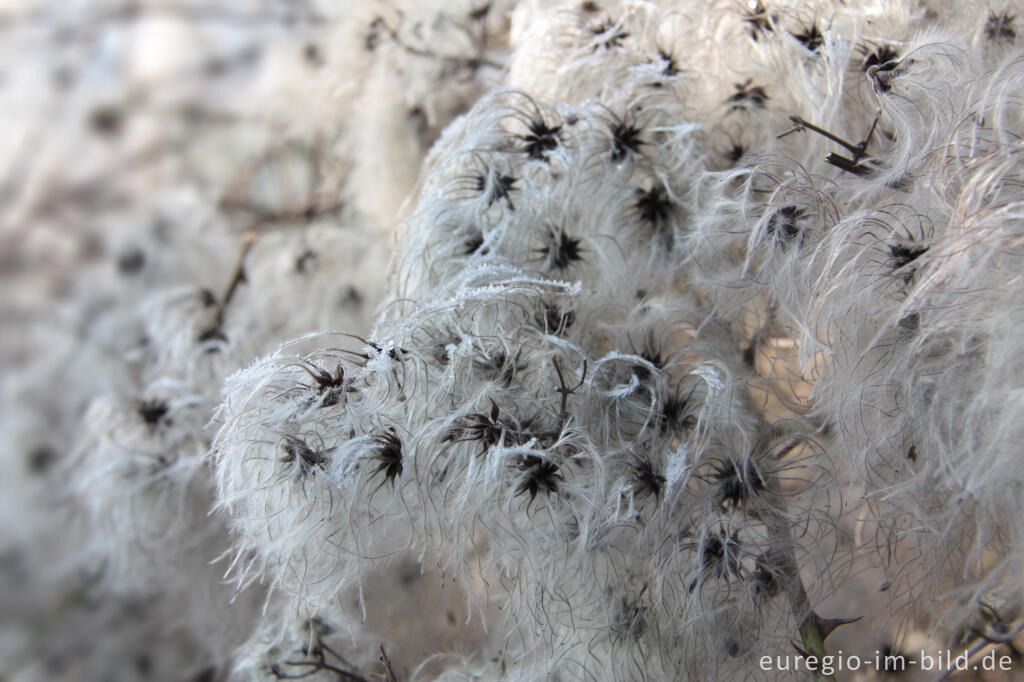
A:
508, 340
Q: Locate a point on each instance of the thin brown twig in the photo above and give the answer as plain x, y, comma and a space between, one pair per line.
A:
983, 643
389, 673
858, 151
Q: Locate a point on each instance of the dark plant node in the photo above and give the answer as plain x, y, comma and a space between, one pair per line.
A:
131, 262
297, 450
671, 66
738, 482
755, 95
648, 481
1000, 27
487, 429
902, 256
810, 38
152, 411
473, 243
497, 187
608, 35
553, 320
480, 13
910, 322
720, 555
654, 205
388, 455
396, 354
629, 623
106, 121
758, 20
206, 675
735, 153
500, 367
783, 225
332, 386
562, 250
306, 262
213, 334
372, 38
767, 569
879, 65
880, 57
40, 459
539, 475
144, 664
625, 140
351, 298
540, 139
651, 352
311, 53
674, 414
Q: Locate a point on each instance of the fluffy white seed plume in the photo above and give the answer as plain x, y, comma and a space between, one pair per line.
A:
590, 444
